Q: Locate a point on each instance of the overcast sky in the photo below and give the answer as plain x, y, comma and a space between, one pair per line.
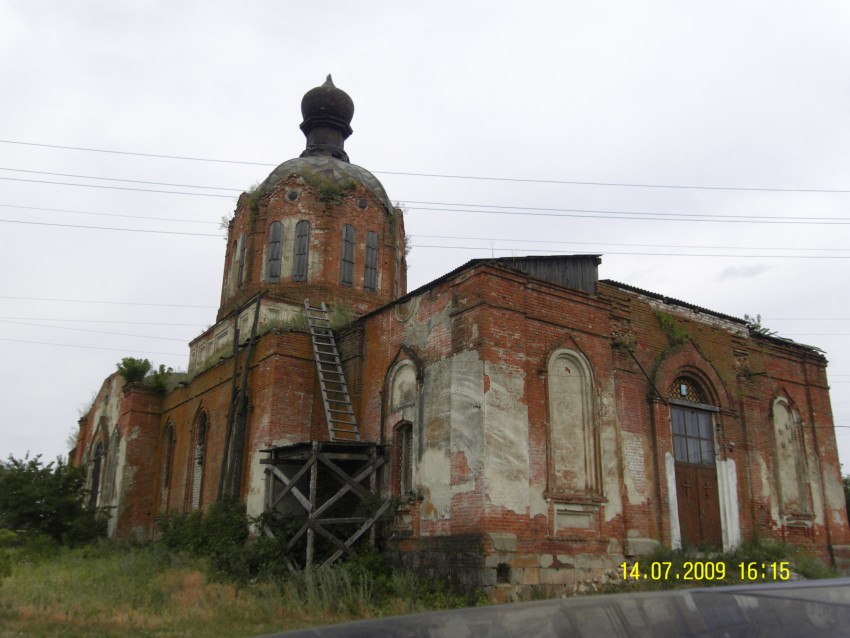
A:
703, 148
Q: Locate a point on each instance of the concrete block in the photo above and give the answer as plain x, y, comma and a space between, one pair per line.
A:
503, 541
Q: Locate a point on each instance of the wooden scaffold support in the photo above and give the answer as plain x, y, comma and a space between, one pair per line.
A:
332, 488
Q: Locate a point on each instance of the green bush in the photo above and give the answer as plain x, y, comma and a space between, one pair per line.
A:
47, 500
133, 370
221, 536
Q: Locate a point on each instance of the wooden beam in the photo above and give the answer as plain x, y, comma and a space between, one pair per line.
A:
290, 487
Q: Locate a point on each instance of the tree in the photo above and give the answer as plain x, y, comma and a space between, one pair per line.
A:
47, 500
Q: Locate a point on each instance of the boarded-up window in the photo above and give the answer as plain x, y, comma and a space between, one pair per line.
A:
167, 467
273, 262
241, 268
789, 462
573, 435
111, 468
302, 248
370, 272
405, 448
97, 463
347, 269
198, 467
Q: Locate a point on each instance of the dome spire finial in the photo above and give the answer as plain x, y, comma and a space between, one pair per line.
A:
327, 113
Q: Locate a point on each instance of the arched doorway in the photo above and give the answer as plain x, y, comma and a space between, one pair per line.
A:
692, 421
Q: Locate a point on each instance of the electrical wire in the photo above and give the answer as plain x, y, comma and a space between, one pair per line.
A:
609, 252
70, 345
117, 188
100, 332
115, 179
448, 176
117, 303
86, 212
134, 323
125, 230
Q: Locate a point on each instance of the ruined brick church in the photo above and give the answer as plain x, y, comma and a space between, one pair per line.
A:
516, 422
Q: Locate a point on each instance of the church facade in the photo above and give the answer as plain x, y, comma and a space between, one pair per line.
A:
515, 423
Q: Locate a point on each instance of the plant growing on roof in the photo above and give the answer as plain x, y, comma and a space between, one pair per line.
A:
755, 326
133, 370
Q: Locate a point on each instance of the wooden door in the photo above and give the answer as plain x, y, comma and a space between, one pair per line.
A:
696, 477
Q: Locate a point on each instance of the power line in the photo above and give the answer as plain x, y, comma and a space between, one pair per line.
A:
115, 179
86, 212
491, 248
98, 150
125, 230
134, 323
580, 213
448, 176
633, 253
70, 345
615, 212
100, 332
806, 319
508, 239
117, 303
606, 243
117, 188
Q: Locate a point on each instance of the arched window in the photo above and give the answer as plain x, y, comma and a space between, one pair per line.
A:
166, 468
302, 248
789, 464
240, 275
346, 277
404, 446
573, 435
111, 468
693, 436
370, 270
273, 262
403, 394
97, 464
198, 465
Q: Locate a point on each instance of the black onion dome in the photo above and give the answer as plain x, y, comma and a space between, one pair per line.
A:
327, 104
325, 170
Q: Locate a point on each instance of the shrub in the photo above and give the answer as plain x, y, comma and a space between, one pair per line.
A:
133, 370
47, 500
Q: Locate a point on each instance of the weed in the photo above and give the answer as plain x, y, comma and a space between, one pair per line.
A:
676, 333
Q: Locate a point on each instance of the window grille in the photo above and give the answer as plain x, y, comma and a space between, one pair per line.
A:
686, 389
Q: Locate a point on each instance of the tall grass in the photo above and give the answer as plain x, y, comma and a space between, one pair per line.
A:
111, 590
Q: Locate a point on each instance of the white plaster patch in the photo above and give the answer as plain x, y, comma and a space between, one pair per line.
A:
506, 439
433, 473
767, 492
727, 485
672, 502
634, 472
537, 503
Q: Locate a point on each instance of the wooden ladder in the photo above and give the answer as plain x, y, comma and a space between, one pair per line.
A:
342, 425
